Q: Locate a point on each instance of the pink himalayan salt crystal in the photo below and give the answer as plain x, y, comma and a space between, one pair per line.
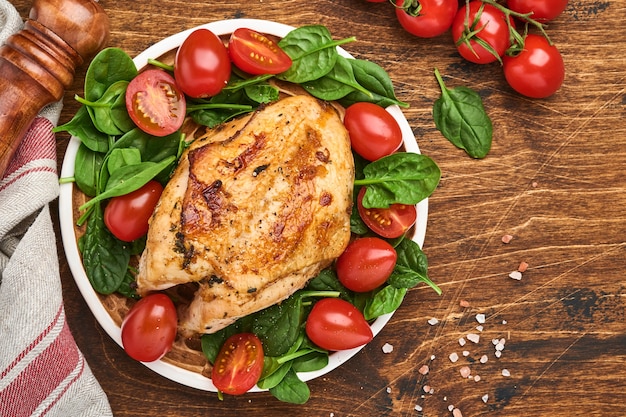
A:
465, 371
457, 413
464, 303
523, 266
507, 238
424, 369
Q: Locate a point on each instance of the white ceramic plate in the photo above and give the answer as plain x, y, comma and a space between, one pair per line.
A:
174, 373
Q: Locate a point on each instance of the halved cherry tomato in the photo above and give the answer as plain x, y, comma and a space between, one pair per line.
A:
202, 67
389, 222
238, 365
433, 17
127, 216
149, 328
255, 53
366, 264
374, 132
480, 32
155, 103
335, 324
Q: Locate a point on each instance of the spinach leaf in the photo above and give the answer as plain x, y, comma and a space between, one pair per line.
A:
278, 326
411, 267
461, 118
338, 83
313, 361
105, 258
86, 168
121, 157
376, 80
107, 67
83, 128
312, 51
291, 389
384, 300
327, 280
402, 177
276, 372
108, 113
129, 178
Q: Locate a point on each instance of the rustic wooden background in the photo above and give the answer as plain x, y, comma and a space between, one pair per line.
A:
554, 181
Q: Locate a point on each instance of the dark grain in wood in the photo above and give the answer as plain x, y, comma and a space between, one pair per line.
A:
553, 180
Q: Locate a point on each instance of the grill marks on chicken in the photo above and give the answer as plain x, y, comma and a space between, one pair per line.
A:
253, 212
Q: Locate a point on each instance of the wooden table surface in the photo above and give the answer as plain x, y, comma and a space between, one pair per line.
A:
554, 180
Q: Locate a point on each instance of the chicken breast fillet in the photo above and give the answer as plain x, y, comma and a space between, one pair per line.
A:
252, 212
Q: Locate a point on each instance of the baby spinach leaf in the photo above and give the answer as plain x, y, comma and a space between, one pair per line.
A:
274, 376
120, 157
385, 300
461, 118
338, 83
83, 128
278, 326
107, 67
312, 51
105, 258
411, 267
312, 361
108, 113
291, 389
86, 168
129, 178
402, 177
374, 79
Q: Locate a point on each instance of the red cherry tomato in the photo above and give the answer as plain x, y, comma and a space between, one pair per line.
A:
256, 54
374, 132
538, 71
155, 103
366, 264
542, 10
433, 18
149, 328
239, 364
389, 222
127, 216
202, 66
490, 23
335, 324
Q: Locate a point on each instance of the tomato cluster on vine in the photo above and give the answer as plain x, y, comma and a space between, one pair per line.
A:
511, 32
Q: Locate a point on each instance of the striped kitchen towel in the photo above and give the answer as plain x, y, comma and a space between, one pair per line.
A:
42, 371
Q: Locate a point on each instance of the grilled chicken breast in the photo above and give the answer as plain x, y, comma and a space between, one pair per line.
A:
253, 211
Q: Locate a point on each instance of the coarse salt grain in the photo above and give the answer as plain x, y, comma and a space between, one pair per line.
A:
433, 321
476, 378
388, 390
454, 357
523, 266
484, 359
495, 341
505, 372
504, 322
424, 369
432, 357
418, 407
517, 275
426, 388
507, 238
480, 318
480, 328
466, 353
500, 346
387, 348
462, 341
498, 353
485, 398
450, 407
473, 337
465, 371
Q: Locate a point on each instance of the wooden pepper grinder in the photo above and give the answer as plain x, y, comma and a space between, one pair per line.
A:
39, 62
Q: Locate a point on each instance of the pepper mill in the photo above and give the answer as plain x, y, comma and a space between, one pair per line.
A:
38, 63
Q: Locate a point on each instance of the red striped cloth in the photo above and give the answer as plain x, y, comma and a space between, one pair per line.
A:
42, 371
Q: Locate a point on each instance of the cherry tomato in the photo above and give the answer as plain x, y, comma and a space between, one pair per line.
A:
256, 54
202, 66
155, 103
374, 132
366, 264
335, 324
149, 328
490, 23
239, 364
433, 18
538, 71
542, 10
389, 222
127, 216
